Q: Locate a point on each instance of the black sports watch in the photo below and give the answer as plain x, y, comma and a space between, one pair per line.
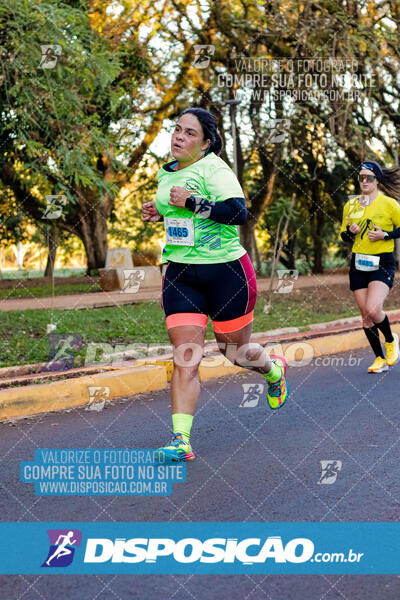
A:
192, 200
385, 235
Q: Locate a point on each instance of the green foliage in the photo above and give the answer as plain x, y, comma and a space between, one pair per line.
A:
55, 126
62, 129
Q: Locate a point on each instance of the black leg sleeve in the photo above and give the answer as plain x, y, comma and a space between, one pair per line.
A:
372, 334
384, 326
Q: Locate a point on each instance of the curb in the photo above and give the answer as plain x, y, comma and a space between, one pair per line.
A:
36, 399
155, 372
298, 353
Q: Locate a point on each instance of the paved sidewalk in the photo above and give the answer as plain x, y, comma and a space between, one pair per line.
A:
102, 299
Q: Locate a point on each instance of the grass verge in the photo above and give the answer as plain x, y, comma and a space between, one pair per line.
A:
23, 338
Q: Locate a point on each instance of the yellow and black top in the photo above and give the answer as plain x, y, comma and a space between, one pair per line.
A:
383, 212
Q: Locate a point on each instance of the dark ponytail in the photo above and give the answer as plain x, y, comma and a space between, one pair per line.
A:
390, 183
210, 129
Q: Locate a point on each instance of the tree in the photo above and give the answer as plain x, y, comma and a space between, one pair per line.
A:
77, 143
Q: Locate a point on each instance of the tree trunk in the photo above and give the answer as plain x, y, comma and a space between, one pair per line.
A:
93, 233
52, 244
291, 248
318, 254
317, 225
289, 261
247, 239
256, 255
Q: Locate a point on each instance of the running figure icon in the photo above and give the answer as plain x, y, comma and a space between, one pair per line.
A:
62, 550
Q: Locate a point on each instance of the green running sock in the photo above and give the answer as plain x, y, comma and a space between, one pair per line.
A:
182, 423
274, 374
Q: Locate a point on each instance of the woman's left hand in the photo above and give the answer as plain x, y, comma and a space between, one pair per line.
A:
376, 234
178, 196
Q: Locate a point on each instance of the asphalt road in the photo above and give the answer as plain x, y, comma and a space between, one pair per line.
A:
252, 465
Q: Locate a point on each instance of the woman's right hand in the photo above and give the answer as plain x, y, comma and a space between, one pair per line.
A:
354, 228
150, 212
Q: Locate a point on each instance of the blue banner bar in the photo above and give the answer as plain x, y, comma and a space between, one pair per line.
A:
204, 547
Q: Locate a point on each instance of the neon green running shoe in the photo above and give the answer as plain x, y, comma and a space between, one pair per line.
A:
177, 449
278, 392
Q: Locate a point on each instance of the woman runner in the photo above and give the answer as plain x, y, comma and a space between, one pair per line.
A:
208, 272
368, 224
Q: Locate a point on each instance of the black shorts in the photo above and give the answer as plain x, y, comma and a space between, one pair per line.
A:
385, 273
226, 292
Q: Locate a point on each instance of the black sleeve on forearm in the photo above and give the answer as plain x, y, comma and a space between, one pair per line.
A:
394, 234
232, 211
347, 236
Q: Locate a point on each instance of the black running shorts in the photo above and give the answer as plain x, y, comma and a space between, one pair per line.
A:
226, 292
385, 273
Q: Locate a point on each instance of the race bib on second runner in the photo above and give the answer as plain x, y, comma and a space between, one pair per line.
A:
179, 231
366, 262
